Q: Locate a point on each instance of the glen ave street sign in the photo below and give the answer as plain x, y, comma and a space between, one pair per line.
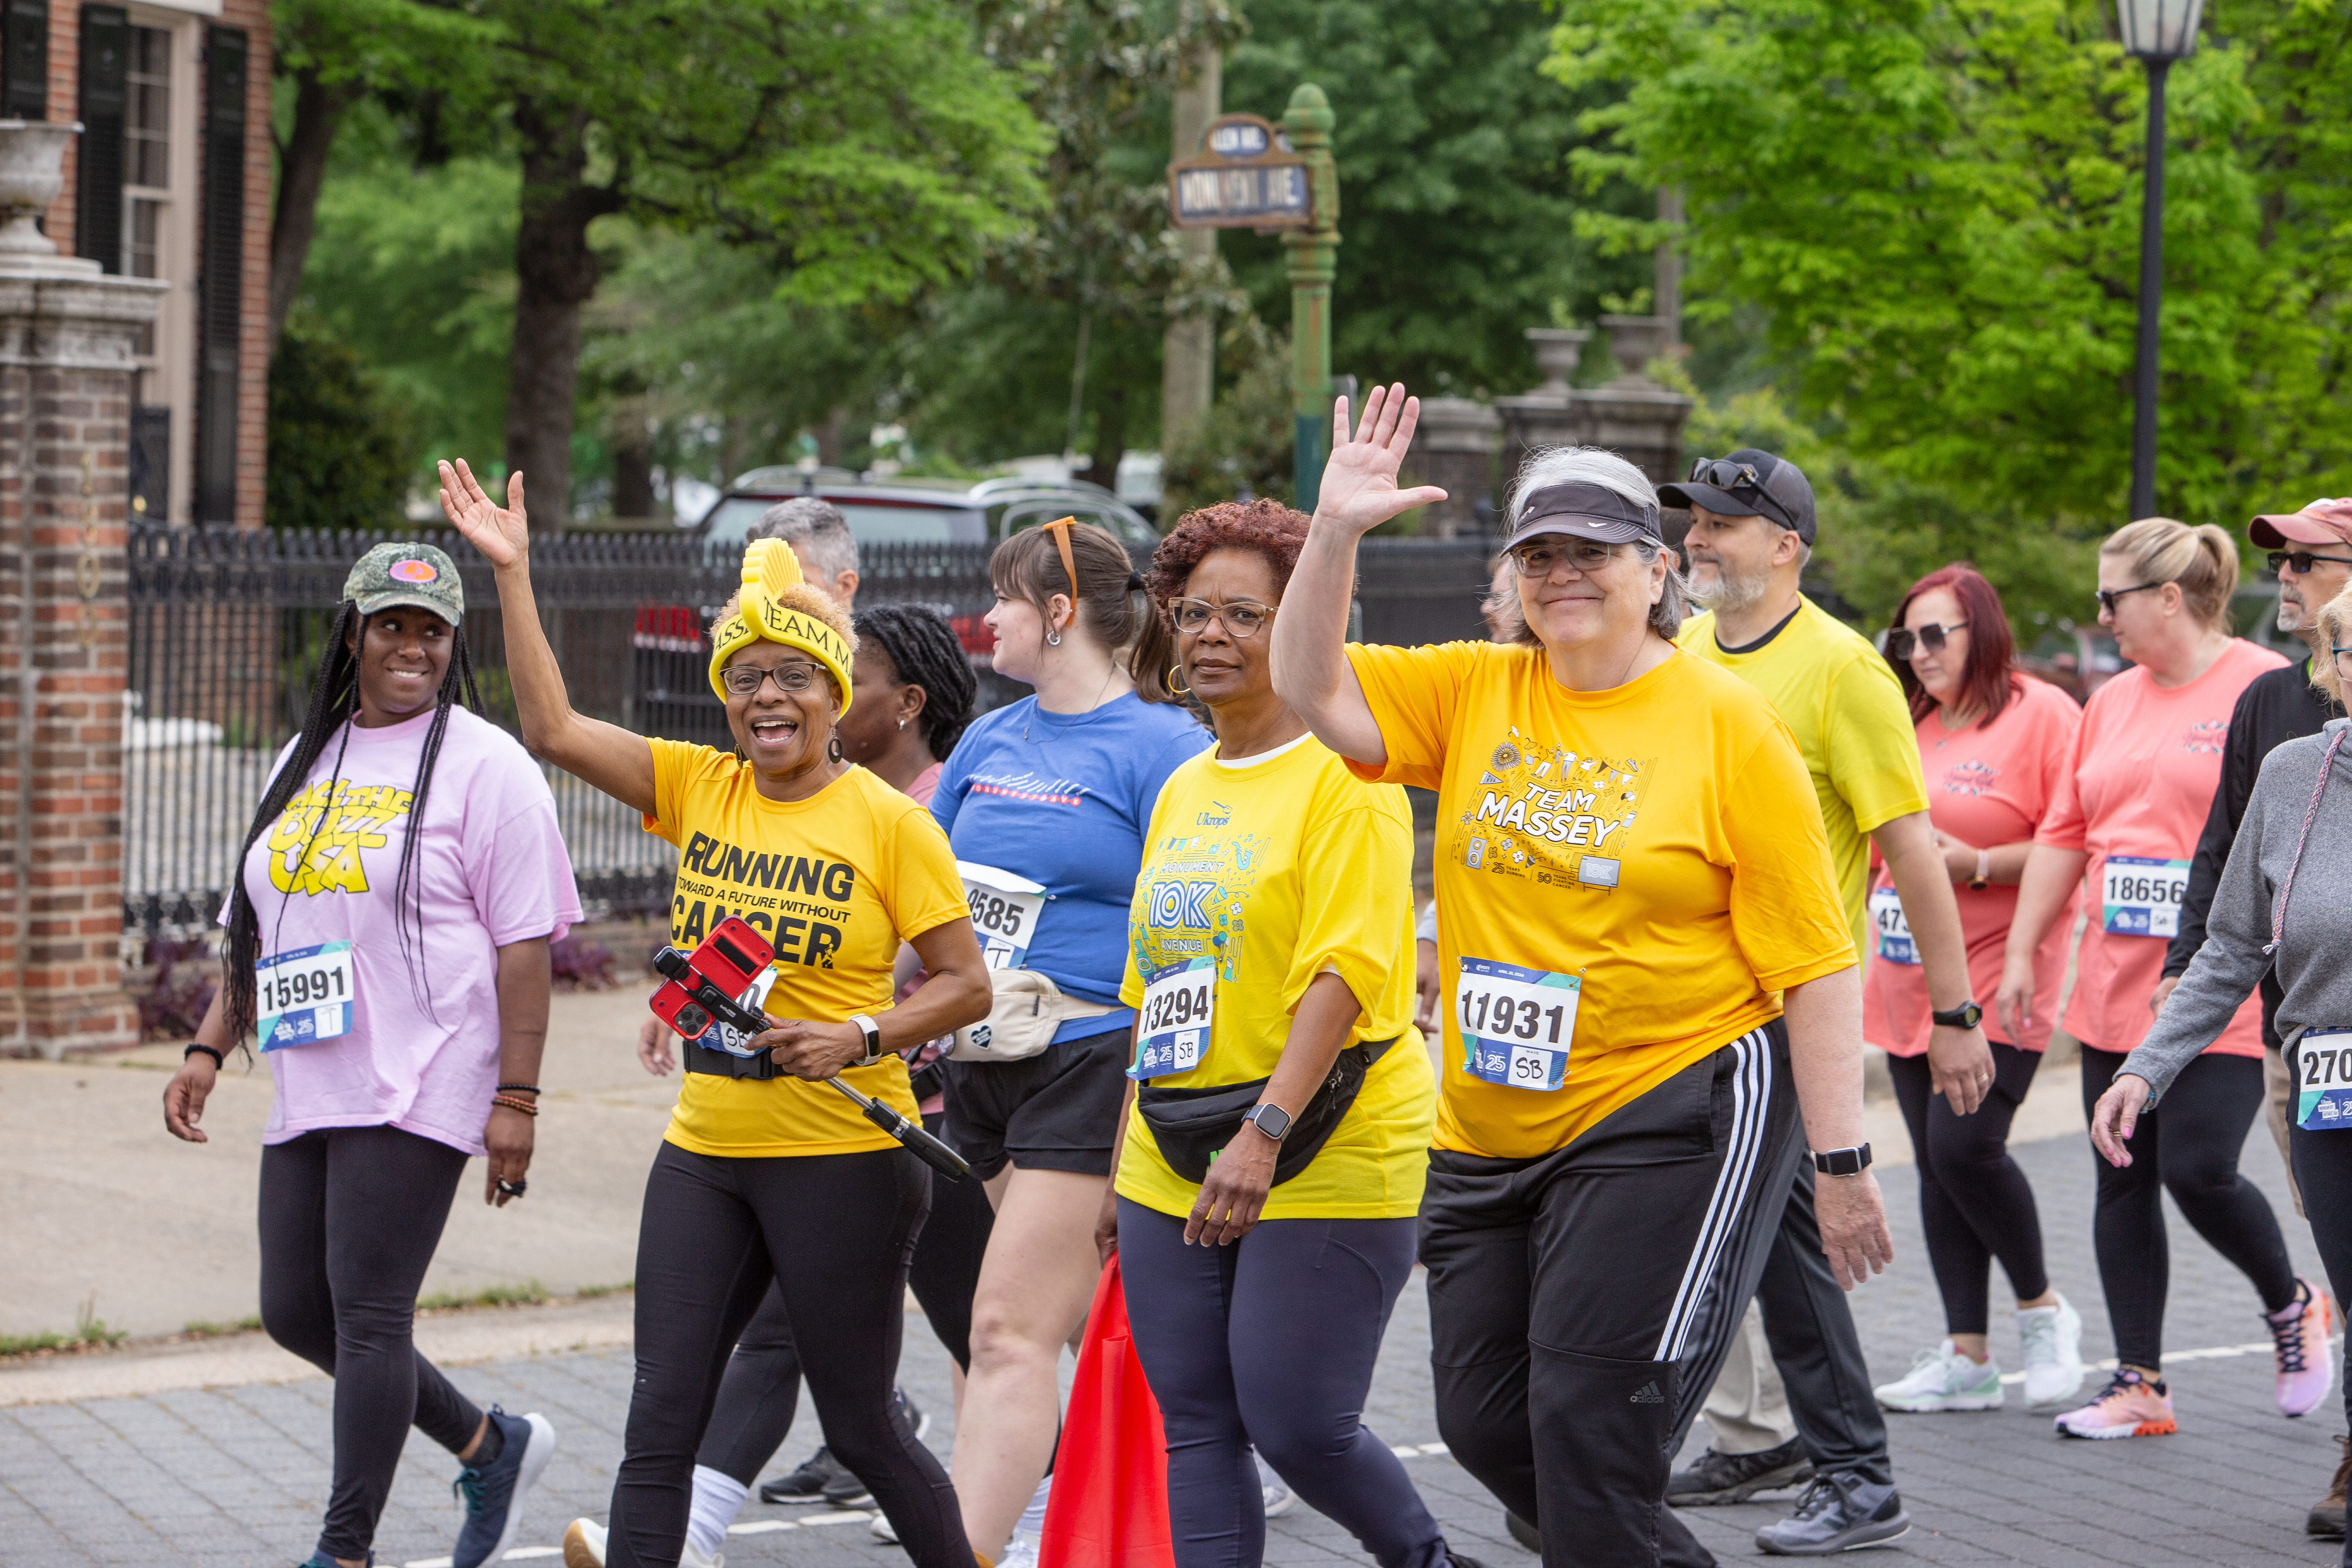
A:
1243, 177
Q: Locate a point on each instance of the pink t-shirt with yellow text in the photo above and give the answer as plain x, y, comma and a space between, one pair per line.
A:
2146, 763
1987, 785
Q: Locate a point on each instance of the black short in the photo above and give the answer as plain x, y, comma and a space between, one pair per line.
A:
1058, 1110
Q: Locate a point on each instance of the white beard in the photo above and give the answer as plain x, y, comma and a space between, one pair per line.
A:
1725, 592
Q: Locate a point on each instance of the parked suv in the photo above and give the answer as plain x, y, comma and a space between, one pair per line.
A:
925, 511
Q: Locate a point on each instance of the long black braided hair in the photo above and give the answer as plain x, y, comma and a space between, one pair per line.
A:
926, 652
334, 704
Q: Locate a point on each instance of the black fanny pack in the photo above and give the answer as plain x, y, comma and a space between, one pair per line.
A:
1191, 1125
702, 1058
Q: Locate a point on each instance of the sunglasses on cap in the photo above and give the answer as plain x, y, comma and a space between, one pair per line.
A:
1725, 475
1903, 640
2301, 560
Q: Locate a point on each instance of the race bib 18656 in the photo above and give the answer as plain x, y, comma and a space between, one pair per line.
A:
2142, 897
304, 995
1886, 919
1172, 1027
2323, 1075
1004, 910
1517, 1024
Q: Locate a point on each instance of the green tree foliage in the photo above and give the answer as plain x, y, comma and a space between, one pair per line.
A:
338, 444
1936, 204
1457, 206
1244, 445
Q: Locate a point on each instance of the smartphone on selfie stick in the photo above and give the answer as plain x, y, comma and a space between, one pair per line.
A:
700, 990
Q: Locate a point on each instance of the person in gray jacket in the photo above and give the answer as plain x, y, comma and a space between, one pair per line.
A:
2282, 902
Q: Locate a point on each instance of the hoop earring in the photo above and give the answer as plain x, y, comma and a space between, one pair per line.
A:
1175, 671
1054, 639
832, 749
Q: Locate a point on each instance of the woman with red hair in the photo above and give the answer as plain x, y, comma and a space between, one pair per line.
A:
1995, 744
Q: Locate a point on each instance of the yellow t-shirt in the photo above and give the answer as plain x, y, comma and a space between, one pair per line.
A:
1840, 698
1275, 872
834, 882
1626, 879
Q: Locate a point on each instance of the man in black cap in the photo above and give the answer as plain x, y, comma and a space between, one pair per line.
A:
1751, 534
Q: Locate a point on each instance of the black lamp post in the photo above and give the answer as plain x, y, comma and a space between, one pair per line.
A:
2158, 32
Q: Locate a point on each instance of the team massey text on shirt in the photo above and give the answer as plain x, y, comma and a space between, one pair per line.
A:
801, 932
1532, 797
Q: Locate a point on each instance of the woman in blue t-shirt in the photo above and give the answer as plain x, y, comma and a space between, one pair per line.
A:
1046, 802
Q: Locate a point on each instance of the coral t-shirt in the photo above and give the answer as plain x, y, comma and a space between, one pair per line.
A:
2146, 763
1987, 785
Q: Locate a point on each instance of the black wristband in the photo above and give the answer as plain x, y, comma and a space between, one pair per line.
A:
518, 1089
218, 1061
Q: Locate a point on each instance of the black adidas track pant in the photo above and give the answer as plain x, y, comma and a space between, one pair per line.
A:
1581, 1303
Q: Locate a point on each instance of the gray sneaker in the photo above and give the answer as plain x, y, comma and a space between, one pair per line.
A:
1837, 1513
1736, 1478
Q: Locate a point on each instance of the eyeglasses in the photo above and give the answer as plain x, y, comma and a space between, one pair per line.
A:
2108, 596
2301, 560
1240, 617
1539, 559
1725, 474
745, 679
1902, 640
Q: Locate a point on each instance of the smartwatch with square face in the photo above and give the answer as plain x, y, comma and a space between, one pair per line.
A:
1270, 1120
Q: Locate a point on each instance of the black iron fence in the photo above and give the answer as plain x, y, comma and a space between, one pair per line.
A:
226, 630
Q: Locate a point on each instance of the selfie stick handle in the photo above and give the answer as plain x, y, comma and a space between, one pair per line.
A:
920, 1144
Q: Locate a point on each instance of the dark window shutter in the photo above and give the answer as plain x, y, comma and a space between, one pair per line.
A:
24, 60
105, 67
221, 270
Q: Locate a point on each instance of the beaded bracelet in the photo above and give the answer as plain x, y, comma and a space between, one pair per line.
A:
525, 1106
218, 1061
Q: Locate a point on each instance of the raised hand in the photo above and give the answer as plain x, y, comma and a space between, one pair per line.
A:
1360, 489
502, 533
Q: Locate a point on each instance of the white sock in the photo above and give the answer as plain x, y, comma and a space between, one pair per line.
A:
717, 1498
1033, 1518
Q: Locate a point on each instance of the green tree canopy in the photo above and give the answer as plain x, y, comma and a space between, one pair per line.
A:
338, 444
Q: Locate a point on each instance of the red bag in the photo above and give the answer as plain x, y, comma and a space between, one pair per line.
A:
1109, 1508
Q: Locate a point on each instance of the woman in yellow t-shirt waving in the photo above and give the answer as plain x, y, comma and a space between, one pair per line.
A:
764, 1170
1647, 974
1270, 963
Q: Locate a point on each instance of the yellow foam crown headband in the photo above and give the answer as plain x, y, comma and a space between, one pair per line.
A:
762, 613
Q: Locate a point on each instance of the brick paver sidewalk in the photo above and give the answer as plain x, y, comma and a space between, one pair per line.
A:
235, 1477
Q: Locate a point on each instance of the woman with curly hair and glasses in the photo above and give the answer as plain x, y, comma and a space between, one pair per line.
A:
1270, 1160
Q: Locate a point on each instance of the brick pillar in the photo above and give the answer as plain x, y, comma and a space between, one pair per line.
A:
66, 337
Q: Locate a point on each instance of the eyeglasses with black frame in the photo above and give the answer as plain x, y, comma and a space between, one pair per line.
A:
2108, 596
1903, 641
2302, 560
1540, 558
745, 679
1240, 617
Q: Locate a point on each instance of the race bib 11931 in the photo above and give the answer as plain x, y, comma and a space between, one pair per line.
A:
305, 995
1517, 1024
2142, 897
1172, 1027
1886, 919
2323, 1078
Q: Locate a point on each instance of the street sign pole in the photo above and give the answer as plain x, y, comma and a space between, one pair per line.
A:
1314, 262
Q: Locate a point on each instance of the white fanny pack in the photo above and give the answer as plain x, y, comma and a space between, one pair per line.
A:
1027, 1009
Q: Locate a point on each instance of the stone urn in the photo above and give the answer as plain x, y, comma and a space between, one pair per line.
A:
32, 176
1557, 350
1634, 342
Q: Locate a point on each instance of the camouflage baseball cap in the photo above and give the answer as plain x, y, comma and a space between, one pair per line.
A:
415, 575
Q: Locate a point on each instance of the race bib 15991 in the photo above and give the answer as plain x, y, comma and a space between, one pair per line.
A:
1517, 1024
304, 995
1172, 1027
1004, 910
2323, 1078
2142, 897
1886, 919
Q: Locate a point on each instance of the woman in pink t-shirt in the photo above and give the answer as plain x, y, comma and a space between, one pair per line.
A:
1995, 746
2146, 765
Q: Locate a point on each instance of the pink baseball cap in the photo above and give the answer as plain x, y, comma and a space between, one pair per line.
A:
2324, 522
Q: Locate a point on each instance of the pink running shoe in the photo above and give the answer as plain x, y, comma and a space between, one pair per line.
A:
2299, 1339
2129, 1406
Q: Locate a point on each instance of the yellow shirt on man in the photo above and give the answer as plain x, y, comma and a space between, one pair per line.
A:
1261, 876
1840, 698
834, 882
1626, 879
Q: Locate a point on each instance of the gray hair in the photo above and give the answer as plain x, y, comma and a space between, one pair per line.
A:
817, 533
1548, 465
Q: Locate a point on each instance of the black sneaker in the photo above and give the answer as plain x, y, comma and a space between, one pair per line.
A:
1837, 1513
817, 1473
1523, 1530
1736, 1478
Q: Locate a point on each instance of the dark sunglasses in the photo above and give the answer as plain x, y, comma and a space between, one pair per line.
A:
2301, 560
1903, 640
1724, 474
2108, 596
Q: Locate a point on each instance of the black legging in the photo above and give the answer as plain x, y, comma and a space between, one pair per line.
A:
835, 1232
2322, 1168
350, 1217
761, 1390
1974, 1202
2189, 1147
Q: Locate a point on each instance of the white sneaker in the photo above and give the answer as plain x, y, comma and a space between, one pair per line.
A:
1943, 1379
584, 1547
880, 1529
1273, 1489
2053, 1352
1021, 1552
